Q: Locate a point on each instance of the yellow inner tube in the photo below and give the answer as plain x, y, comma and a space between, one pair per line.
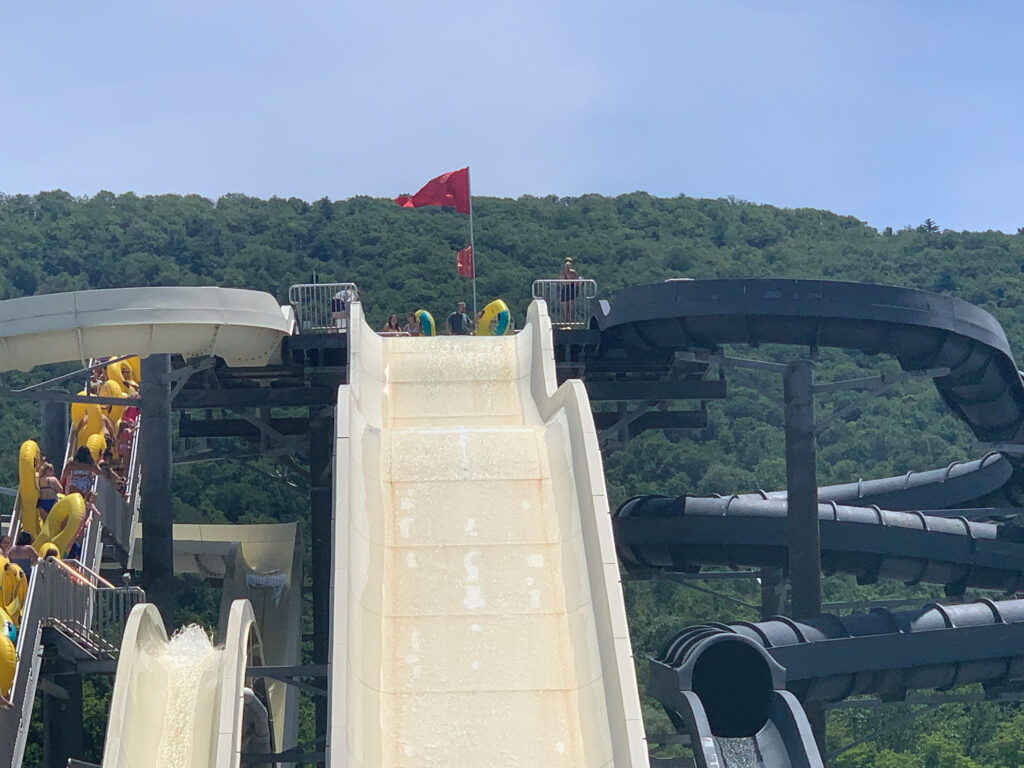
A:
8, 657
61, 524
78, 409
28, 485
136, 365
113, 389
96, 445
114, 373
13, 589
426, 320
496, 320
93, 424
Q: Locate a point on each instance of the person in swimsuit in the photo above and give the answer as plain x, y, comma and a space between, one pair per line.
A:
131, 387
412, 326
105, 465
79, 473
49, 487
130, 415
75, 553
22, 554
123, 444
5, 545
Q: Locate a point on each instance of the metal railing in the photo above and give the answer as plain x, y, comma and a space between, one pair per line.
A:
322, 307
570, 302
117, 516
74, 600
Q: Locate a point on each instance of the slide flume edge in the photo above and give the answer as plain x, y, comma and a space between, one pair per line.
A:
178, 703
444, 665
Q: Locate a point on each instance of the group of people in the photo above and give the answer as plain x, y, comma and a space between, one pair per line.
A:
116, 425
393, 327
458, 323
118, 430
79, 474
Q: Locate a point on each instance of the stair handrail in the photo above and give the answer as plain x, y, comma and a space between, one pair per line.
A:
62, 593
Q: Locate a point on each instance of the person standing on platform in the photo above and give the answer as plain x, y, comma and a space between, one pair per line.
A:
412, 325
569, 291
339, 308
391, 327
458, 322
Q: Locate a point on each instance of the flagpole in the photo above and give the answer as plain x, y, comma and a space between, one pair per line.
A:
472, 245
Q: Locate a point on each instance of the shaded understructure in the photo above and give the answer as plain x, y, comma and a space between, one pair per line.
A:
660, 344
719, 683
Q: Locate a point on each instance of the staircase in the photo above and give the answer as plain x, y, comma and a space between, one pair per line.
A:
71, 599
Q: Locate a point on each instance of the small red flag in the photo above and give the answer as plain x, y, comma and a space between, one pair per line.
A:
464, 262
450, 188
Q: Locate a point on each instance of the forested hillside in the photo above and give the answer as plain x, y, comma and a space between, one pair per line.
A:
405, 259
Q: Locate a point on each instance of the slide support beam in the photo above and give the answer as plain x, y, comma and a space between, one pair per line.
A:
157, 511
321, 487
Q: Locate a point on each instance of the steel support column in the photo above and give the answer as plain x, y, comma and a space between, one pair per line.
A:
63, 733
321, 488
157, 511
802, 509
773, 593
802, 492
53, 433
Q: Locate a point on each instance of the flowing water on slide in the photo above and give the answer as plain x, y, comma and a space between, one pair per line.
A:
739, 753
191, 665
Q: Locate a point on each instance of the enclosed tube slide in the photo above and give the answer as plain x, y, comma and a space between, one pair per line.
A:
722, 683
683, 533
477, 613
923, 330
882, 653
242, 327
961, 484
730, 696
179, 703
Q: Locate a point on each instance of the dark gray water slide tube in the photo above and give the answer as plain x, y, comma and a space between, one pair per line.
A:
684, 533
721, 683
960, 485
922, 330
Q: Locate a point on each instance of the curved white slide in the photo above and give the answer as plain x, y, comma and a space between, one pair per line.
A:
478, 617
242, 327
178, 703
263, 564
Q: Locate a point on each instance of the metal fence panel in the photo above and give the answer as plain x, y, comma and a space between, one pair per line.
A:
116, 515
570, 302
316, 308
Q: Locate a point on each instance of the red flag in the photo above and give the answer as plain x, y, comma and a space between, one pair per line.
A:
450, 188
464, 262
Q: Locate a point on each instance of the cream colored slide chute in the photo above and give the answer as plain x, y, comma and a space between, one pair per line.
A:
242, 327
478, 616
179, 703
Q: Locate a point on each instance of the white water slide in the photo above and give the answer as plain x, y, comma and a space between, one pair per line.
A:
243, 328
179, 703
478, 618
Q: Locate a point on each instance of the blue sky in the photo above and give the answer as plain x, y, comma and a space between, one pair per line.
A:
892, 112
